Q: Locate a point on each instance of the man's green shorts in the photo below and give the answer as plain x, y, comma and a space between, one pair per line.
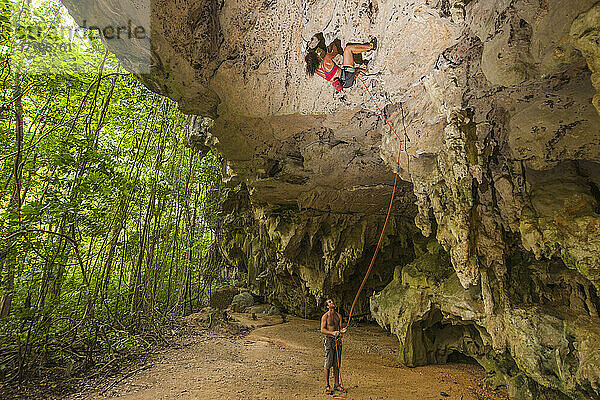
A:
333, 356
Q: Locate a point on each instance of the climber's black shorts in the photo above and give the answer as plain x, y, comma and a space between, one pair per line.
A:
332, 356
347, 76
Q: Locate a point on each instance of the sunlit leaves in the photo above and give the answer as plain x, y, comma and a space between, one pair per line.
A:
100, 220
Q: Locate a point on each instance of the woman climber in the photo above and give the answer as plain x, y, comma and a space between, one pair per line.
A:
326, 68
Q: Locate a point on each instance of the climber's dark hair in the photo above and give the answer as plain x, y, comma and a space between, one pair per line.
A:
312, 62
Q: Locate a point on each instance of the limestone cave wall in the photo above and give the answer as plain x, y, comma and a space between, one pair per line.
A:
493, 249
298, 259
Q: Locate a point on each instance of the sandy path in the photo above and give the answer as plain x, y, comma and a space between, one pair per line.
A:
285, 362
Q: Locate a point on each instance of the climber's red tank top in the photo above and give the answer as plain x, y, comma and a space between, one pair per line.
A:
331, 74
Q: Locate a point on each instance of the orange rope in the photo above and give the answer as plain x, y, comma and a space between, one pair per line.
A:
337, 358
389, 208
376, 105
389, 211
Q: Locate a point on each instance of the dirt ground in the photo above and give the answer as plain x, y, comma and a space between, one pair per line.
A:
285, 361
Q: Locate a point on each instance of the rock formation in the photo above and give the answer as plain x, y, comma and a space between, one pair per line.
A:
493, 249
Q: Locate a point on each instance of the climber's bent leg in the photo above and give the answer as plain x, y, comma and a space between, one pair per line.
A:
352, 49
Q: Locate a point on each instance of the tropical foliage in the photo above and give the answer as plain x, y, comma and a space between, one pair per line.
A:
105, 215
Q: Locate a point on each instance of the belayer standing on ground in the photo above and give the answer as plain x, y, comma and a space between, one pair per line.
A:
331, 327
326, 68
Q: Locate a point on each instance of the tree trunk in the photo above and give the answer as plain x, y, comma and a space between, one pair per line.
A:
8, 281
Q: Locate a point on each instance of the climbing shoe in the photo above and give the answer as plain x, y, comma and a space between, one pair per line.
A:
374, 43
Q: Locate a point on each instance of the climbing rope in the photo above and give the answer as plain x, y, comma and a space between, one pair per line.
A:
337, 358
389, 211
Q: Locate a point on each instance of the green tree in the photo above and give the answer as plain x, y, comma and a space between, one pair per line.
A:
106, 215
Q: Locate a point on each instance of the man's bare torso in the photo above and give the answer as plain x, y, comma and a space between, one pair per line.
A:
332, 321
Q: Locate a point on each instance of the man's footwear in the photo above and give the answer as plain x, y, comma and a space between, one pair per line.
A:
340, 388
328, 390
374, 43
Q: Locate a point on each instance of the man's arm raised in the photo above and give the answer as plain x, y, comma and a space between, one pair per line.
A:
342, 330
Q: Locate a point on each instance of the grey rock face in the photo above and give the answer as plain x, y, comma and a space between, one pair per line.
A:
242, 301
298, 259
492, 247
539, 346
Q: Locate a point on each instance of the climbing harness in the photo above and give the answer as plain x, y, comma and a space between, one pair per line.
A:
389, 211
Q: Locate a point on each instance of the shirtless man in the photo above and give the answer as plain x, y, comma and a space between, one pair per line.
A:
331, 327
